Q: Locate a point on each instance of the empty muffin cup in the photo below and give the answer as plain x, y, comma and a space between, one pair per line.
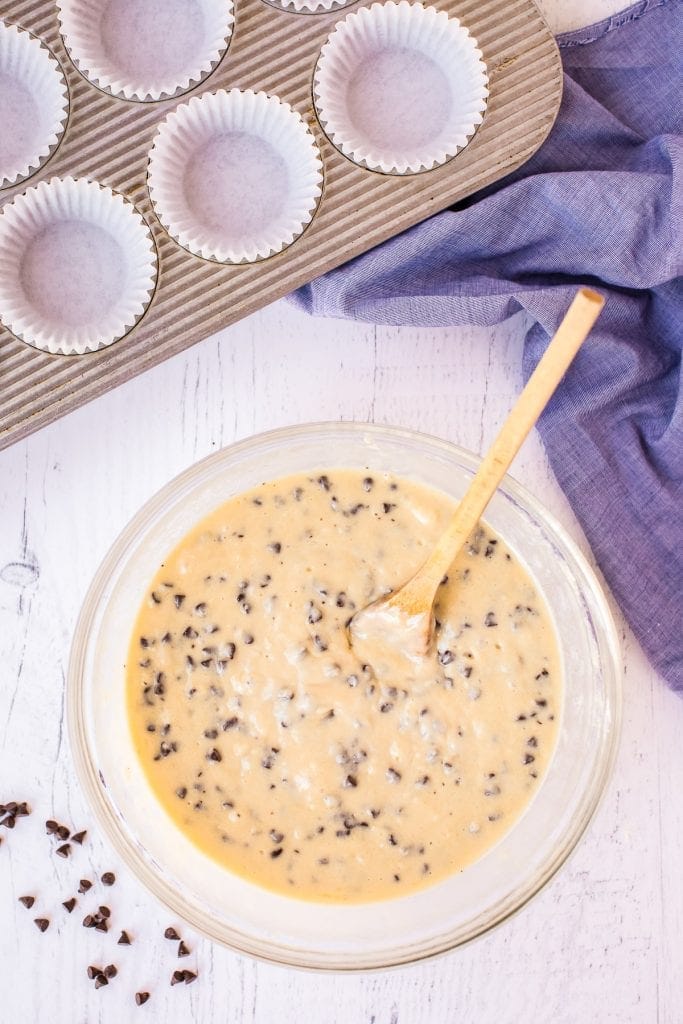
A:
234, 176
311, 6
400, 88
145, 49
34, 104
77, 266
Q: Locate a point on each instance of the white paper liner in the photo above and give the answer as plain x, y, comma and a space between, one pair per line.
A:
311, 6
146, 49
234, 176
34, 104
400, 88
77, 266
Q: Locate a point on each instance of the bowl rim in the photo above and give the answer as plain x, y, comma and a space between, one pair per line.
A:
91, 780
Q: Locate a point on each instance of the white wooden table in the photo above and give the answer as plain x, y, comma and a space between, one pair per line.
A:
602, 943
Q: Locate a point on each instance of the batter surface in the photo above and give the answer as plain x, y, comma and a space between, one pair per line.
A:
314, 769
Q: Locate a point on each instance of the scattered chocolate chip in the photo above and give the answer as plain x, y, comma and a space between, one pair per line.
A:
181, 792
41, 923
108, 878
69, 904
84, 885
64, 851
93, 972
124, 939
22, 810
27, 901
141, 998
110, 971
101, 980
105, 912
214, 755
51, 827
63, 832
78, 837
276, 853
101, 925
183, 949
490, 619
189, 977
177, 977
89, 921
172, 934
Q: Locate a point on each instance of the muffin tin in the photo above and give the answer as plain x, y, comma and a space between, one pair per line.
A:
268, 56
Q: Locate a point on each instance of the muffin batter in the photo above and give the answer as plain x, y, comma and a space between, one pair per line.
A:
312, 768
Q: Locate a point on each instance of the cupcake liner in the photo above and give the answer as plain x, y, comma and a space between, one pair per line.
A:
311, 6
34, 104
77, 266
400, 88
146, 49
234, 176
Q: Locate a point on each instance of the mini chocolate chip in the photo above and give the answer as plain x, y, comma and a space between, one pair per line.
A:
229, 723
108, 878
63, 832
211, 734
64, 851
105, 912
78, 837
178, 600
274, 854
275, 548
214, 755
141, 998
528, 759
189, 977
84, 885
93, 972
490, 619
51, 827
172, 934
183, 949
27, 901
124, 939
110, 971
350, 782
181, 792
177, 977
101, 980
41, 923
69, 904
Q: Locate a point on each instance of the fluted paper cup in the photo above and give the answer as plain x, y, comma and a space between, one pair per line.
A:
77, 266
234, 176
311, 6
146, 49
400, 88
34, 104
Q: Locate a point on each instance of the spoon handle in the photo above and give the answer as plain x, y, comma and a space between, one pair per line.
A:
566, 342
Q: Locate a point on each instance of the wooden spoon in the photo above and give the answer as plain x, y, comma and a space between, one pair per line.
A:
404, 619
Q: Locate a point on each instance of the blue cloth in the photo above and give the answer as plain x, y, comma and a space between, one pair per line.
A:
599, 204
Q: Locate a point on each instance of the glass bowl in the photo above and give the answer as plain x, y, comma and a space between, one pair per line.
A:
277, 928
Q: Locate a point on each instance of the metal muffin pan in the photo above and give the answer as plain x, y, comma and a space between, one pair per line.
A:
273, 50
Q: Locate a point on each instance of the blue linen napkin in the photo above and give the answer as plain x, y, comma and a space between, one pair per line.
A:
599, 204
